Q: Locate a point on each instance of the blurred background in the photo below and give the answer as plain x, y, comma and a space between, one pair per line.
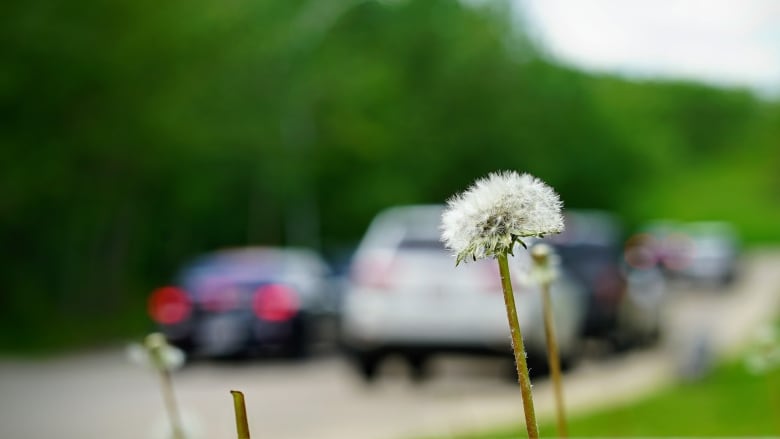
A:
138, 136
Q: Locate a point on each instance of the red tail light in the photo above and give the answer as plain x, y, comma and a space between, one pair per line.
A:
677, 252
641, 251
169, 305
373, 272
275, 303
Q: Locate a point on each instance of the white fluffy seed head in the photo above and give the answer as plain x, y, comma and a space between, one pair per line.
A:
498, 211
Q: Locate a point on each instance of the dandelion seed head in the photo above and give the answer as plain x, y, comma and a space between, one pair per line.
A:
496, 212
544, 266
156, 353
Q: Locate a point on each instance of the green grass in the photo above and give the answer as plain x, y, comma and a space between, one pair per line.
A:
729, 402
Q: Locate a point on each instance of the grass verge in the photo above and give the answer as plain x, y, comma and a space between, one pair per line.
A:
729, 402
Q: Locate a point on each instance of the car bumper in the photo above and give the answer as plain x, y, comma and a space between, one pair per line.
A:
378, 319
219, 334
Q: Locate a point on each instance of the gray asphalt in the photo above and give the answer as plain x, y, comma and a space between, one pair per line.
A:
101, 395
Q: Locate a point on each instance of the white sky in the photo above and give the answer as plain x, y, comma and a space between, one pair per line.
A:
729, 42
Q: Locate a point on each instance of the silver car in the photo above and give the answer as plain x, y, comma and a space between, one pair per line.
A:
406, 297
700, 252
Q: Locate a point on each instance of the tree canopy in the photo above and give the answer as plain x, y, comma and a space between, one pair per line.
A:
138, 134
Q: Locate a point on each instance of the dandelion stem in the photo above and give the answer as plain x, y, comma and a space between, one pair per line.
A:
518, 347
170, 404
242, 425
554, 359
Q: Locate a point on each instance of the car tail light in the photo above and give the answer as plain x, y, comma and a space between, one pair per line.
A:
492, 278
275, 303
641, 251
169, 305
677, 252
374, 272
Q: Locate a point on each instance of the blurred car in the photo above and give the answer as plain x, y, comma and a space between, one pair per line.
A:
249, 299
713, 253
407, 298
624, 302
700, 252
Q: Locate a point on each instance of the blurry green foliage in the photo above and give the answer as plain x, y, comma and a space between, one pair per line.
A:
137, 134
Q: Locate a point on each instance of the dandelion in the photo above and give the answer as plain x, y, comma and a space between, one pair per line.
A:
488, 220
497, 212
763, 358
764, 352
162, 357
544, 273
544, 266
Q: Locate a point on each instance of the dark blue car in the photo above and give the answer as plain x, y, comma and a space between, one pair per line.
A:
247, 300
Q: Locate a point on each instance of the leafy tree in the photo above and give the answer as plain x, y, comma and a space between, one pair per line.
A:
135, 135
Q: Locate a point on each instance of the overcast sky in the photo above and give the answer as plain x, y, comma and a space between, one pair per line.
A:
731, 42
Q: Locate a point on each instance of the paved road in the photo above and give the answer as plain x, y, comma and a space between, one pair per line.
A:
100, 395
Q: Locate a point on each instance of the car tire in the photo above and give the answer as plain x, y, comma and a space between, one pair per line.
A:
537, 365
367, 364
653, 337
418, 367
728, 279
298, 347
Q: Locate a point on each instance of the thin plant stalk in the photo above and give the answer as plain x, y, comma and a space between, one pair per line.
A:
166, 385
242, 425
553, 358
518, 347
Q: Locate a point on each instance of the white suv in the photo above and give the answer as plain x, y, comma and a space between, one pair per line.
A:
406, 297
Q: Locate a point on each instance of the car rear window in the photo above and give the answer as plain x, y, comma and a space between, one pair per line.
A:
421, 244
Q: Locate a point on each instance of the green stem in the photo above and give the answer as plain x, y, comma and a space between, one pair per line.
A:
242, 425
518, 347
170, 404
553, 357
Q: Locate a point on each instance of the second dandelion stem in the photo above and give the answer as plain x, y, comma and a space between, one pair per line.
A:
518, 347
554, 359
170, 403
